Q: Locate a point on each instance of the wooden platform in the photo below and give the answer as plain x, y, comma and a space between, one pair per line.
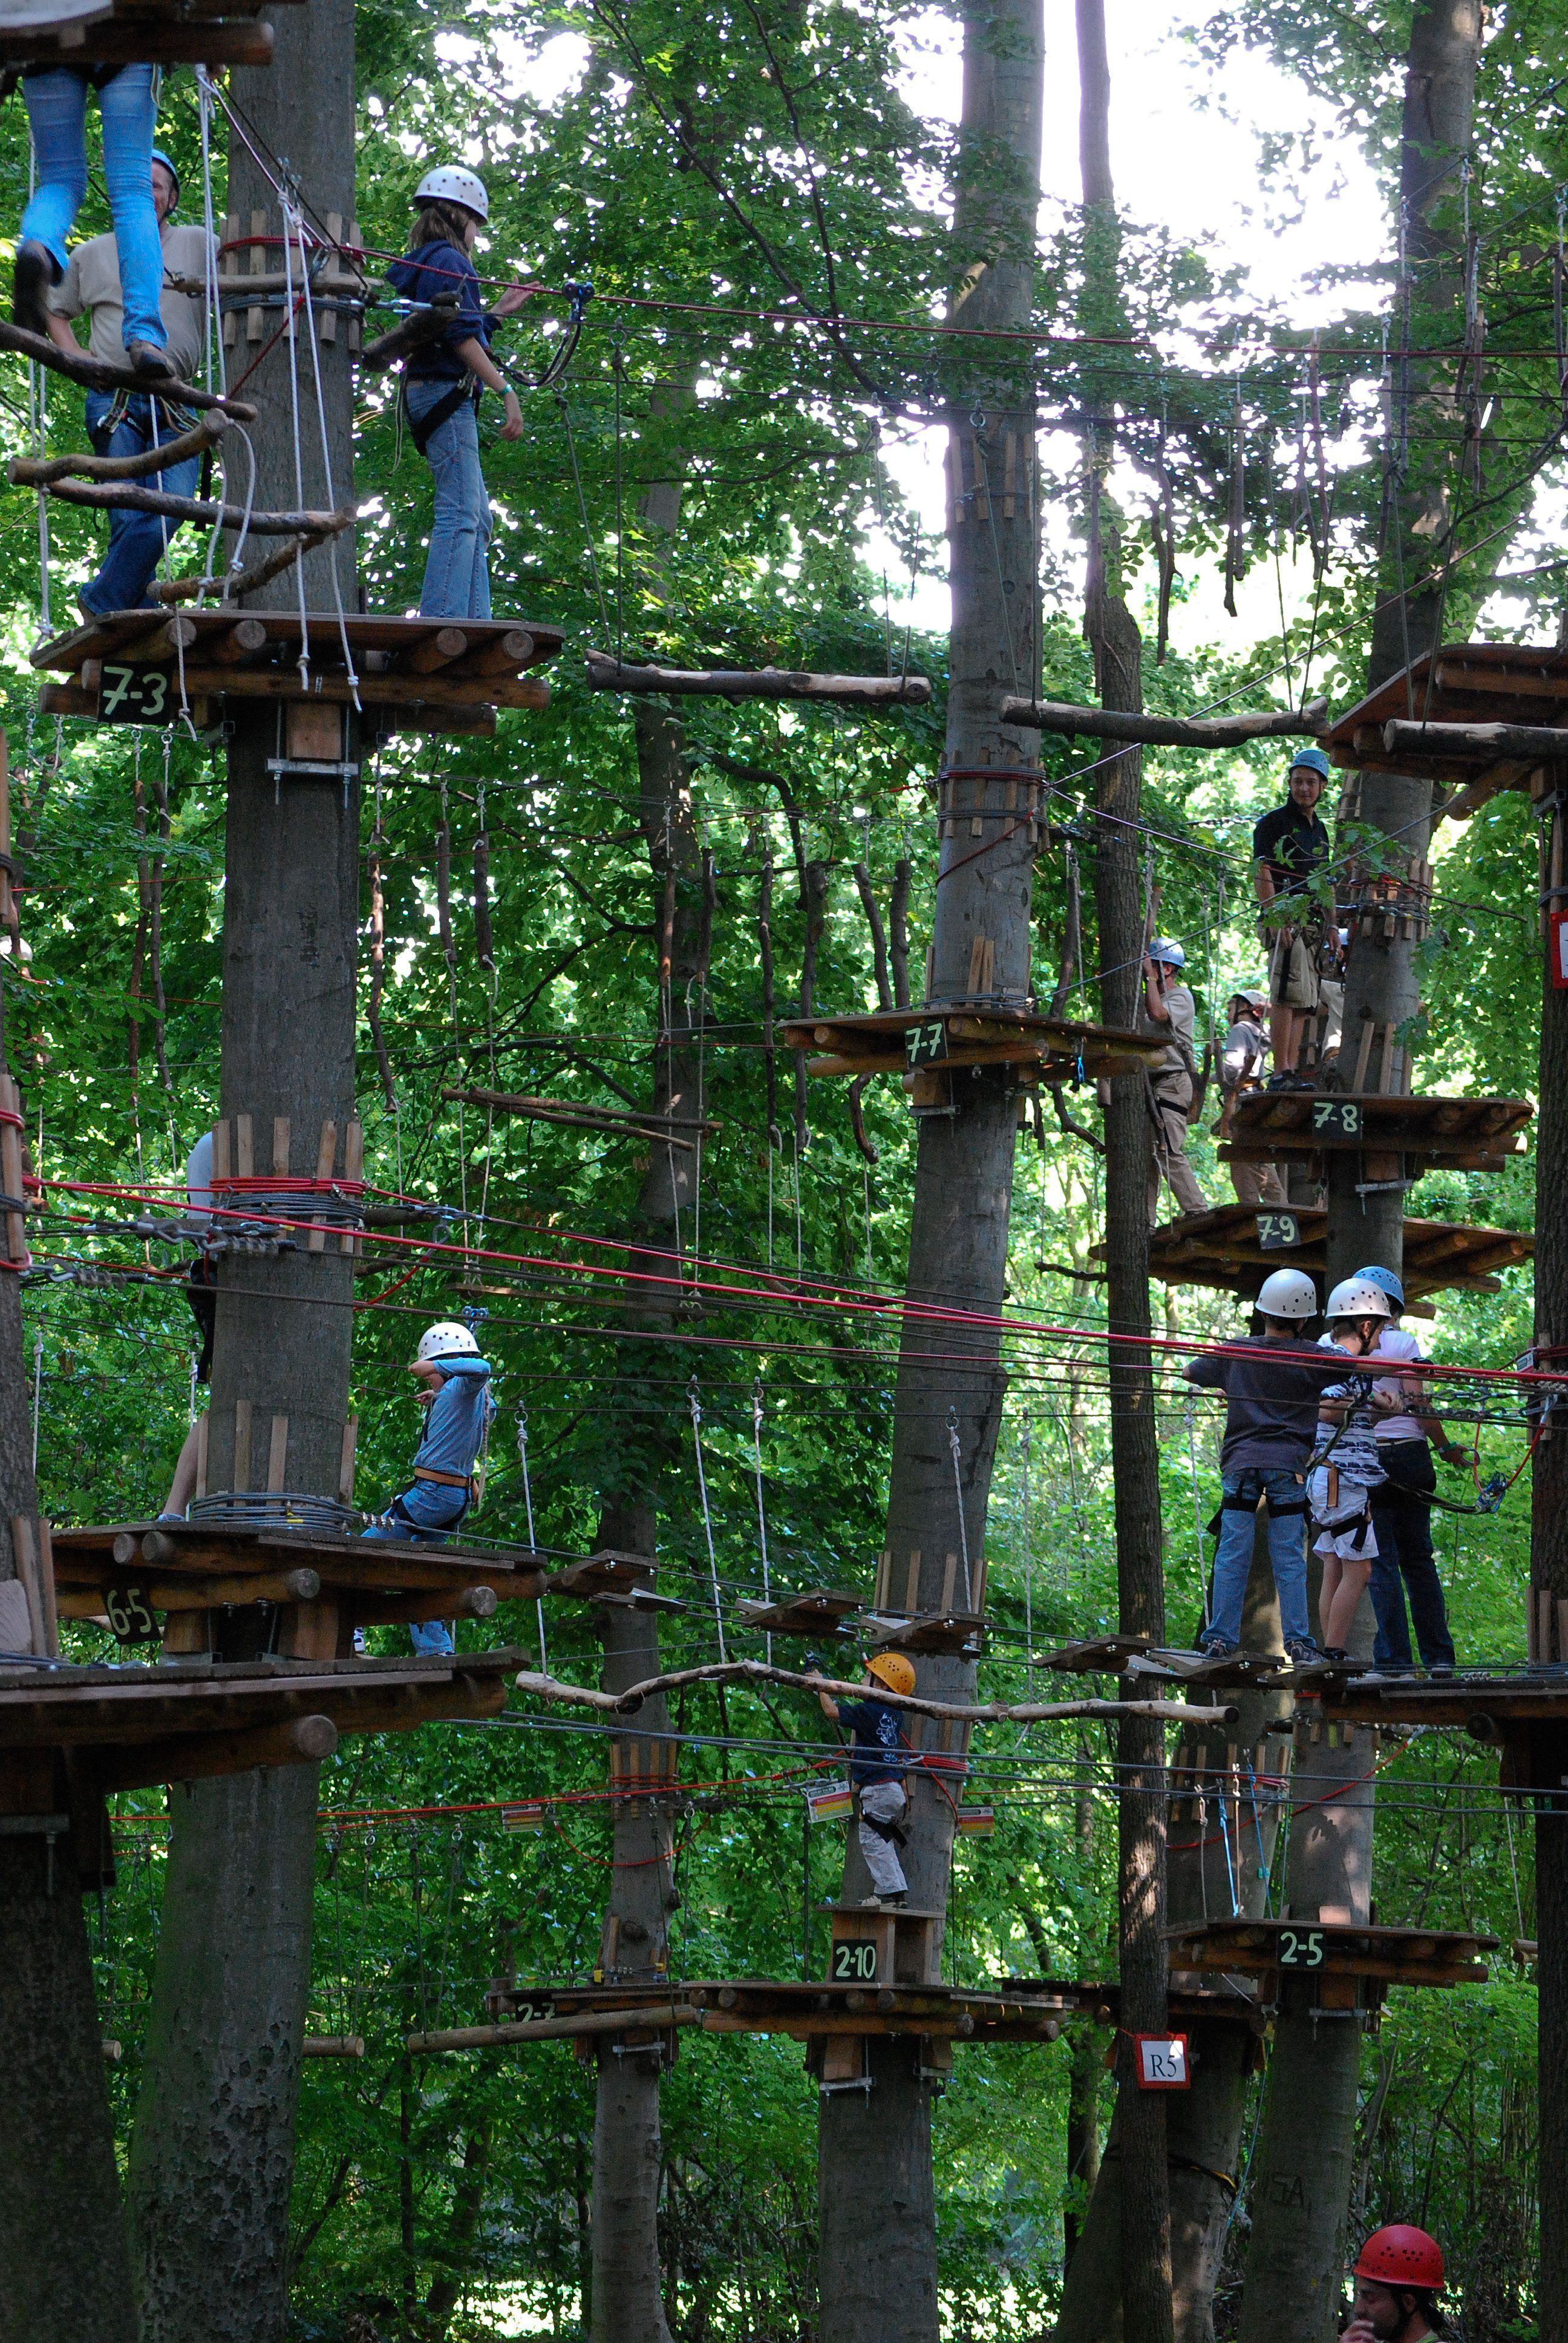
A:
1486, 1705
1132, 1655
134, 32
959, 1633
423, 675
1023, 2012
819, 1617
134, 1573
1461, 683
1439, 1133
968, 1034
131, 1726
1236, 1246
1331, 1949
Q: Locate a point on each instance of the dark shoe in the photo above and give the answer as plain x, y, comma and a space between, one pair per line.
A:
1336, 1652
1216, 1647
151, 362
37, 270
1292, 1082
1302, 1653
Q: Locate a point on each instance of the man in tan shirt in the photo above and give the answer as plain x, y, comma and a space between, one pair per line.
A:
1168, 1008
127, 423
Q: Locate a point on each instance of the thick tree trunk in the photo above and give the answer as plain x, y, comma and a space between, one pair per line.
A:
64, 2269
1212, 1869
212, 2159
876, 2201
1546, 1753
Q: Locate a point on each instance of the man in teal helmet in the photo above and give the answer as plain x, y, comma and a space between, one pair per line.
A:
121, 425
1289, 846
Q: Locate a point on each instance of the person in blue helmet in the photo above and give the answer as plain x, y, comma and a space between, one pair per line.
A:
122, 423
1407, 1431
1290, 847
460, 1410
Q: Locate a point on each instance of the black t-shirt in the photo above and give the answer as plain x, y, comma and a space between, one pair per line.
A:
877, 1755
1272, 1417
1293, 844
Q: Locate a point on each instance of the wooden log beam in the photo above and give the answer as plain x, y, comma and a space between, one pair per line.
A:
1478, 743
661, 1129
1166, 731
447, 644
81, 1599
628, 1702
96, 373
41, 471
605, 674
410, 333
334, 2045
513, 649
238, 583
128, 495
395, 1610
659, 2018
198, 1756
131, 41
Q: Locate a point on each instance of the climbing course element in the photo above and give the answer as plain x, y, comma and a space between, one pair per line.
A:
134, 32
421, 675
1429, 1133
1479, 717
1235, 1246
97, 373
1165, 731
607, 674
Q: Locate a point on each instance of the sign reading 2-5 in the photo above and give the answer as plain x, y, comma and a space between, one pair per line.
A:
137, 695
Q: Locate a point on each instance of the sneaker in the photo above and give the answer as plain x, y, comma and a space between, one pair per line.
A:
37, 270
1290, 1082
1218, 1647
1336, 1652
1302, 1653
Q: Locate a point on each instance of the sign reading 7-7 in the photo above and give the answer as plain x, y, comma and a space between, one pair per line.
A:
926, 1042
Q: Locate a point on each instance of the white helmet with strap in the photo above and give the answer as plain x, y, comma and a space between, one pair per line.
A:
1357, 1297
451, 184
1288, 1293
1167, 949
446, 1340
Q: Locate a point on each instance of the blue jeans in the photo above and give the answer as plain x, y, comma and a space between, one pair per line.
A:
57, 115
425, 1514
137, 541
456, 569
1287, 1550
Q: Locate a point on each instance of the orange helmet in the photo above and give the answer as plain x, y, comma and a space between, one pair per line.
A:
1402, 2255
892, 1669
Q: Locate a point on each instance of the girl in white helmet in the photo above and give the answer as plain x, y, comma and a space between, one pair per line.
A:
443, 382
458, 1408
1345, 1469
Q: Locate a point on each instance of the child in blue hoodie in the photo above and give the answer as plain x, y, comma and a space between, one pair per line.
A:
459, 1409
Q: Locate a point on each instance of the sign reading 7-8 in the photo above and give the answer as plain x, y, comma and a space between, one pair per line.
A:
1342, 1117
137, 695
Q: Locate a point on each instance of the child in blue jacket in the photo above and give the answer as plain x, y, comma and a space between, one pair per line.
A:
460, 1410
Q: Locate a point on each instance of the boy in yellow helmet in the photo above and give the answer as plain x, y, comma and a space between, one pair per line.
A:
877, 1763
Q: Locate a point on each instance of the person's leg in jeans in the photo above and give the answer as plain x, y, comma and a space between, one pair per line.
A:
1287, 1517
56, 114
137, 541
1410, 1468
462, 510
883, 1802
425, 1514
129, 114
1233, 1556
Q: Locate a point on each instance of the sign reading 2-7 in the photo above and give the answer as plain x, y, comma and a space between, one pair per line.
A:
137, 695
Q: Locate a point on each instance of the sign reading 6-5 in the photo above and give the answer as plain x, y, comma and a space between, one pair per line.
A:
130, 1615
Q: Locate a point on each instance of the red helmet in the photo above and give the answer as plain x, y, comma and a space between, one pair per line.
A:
1401, 2256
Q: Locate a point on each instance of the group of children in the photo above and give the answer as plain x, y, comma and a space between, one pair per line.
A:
1344, 1455
135, 285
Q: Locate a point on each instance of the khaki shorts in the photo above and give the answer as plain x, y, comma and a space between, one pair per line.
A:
1293, 978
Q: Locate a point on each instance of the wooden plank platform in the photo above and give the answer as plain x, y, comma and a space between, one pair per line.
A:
137, 1725
975, 1034
136, 32
1444, 1133
1235, 1247
1133, 1655
1025, 2011
1485, 1705
199, 1563
605, 1573
1461, 683
959, 1633
818, 1615
1331, 1948
423, 674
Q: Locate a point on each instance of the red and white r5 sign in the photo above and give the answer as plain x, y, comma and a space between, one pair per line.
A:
1162, 2062
1558, 949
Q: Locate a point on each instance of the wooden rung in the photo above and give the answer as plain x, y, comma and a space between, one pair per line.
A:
977, 1594
325, 1154
242, 1415
1532, 1644
353, 1169
1543, 1628
255, 316
24, 1553
913, 1589
950, 1577
277, 1454
345, 1465
244, 1148
1362, 1054
220, 1156
884, 1574
47, 1579
280, 1142
201, 1455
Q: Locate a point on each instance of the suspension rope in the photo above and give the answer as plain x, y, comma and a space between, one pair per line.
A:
529, 1508
954, 1444
761, 1511
694, 1399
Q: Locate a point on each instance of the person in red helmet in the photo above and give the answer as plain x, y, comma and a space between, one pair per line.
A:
1397, 2278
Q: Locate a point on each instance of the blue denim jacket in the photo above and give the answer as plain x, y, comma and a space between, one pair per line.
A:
458, 1414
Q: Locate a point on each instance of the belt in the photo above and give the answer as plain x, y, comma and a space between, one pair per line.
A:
448, 1480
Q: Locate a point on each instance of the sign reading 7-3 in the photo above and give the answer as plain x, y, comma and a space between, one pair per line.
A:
137, 695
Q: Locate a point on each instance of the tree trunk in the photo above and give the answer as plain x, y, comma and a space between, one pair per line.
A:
212, 2159
1209, 1872
446, 2291
1545, 1754
64, 2269
876, 2193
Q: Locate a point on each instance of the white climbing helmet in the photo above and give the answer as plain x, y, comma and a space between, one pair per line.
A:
1357, 1297
449, 183
1166, 948
1288, 1293
446, 1340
